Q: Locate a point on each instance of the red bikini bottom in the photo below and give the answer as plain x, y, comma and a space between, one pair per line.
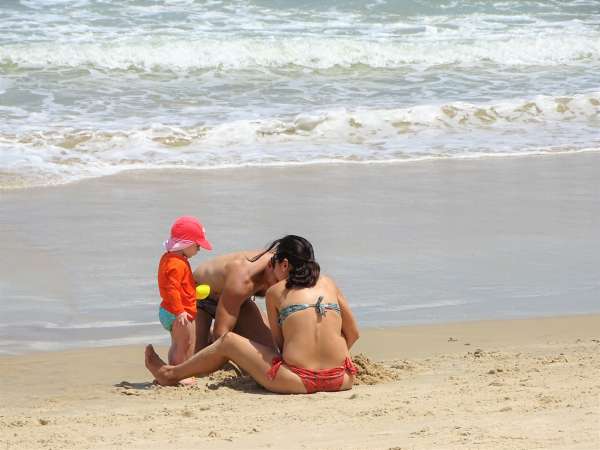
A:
324, 380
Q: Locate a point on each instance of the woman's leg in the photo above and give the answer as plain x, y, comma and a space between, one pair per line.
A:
253, 357
256, 360
204, 362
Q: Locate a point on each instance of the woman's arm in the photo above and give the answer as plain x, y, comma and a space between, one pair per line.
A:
349, 325
272, 301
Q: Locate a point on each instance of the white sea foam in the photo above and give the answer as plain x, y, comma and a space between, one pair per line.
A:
241, 35
238, 83
4, 84
78, 326
104, 324
538, 125
44, 346
315, 53
432, 305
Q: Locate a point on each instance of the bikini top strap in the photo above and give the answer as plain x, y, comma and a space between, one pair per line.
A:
285, 312
320, 307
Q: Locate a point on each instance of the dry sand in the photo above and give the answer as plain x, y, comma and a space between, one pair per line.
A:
519, 384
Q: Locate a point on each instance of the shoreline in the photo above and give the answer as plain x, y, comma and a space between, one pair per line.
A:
368, 334
528, 382
318, 163
434, 242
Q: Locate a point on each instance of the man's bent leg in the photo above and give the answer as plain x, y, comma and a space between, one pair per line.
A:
251, 325
203, 322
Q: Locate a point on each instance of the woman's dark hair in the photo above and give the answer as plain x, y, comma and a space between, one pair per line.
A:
304, 270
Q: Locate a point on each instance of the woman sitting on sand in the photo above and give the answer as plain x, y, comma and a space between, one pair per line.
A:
310, 321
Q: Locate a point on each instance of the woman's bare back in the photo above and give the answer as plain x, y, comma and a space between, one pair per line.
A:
311, 340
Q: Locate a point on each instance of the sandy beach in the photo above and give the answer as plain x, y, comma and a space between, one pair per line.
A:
442, 158
521, 384
441, 242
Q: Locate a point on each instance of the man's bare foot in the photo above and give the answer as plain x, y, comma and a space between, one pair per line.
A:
162, 373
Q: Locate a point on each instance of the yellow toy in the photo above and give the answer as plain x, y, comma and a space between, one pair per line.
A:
202, 291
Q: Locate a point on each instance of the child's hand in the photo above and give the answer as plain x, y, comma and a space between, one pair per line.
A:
182, 319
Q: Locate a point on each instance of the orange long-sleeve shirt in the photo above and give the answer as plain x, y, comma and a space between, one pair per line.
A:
176, 284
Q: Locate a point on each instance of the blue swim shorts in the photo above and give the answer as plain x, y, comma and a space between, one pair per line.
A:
166, 318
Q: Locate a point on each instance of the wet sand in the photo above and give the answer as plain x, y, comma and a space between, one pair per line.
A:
409, 243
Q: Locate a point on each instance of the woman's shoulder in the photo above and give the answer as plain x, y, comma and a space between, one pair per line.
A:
326, 281
276, 290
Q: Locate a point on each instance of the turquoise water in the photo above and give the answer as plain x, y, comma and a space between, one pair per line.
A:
91, 88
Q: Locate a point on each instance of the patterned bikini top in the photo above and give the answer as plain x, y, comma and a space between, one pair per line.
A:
320, 307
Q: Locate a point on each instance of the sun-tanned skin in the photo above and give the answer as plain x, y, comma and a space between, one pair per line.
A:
305, 340
233, 279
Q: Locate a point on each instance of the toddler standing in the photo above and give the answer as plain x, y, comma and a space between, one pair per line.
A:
177, 286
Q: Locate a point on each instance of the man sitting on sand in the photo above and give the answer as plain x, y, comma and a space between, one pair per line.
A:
234, 280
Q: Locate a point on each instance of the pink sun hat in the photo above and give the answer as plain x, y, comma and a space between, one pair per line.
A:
187, 231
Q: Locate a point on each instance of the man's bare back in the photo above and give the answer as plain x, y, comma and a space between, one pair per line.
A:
214, 271
234, 279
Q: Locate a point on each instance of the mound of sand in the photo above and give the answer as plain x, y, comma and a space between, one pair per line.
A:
370, 372
233, 378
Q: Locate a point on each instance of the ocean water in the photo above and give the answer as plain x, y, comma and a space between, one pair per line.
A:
94, 87
91, 88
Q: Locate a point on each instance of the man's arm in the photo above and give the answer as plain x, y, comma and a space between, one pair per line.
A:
237, 288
